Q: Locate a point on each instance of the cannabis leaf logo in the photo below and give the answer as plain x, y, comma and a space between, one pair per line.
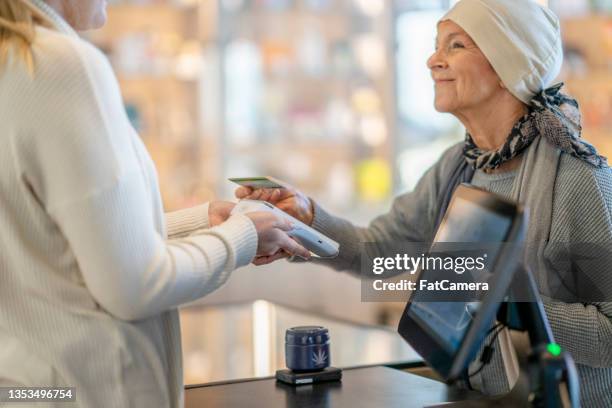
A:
319, 357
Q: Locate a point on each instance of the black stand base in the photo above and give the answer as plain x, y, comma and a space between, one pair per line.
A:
293, 378
552, 373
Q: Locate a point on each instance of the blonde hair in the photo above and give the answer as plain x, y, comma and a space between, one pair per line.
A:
18, 20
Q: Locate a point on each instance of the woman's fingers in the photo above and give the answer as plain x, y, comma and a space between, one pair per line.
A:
243, 192
264, 260
261, 260
283, 224
267, 194
276, 195
291, 246
272, 231
271, 195
219, 212
255, 195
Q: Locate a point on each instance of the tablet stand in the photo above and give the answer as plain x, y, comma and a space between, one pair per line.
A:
553, 379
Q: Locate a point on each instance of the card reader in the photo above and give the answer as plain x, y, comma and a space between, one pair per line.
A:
311, 239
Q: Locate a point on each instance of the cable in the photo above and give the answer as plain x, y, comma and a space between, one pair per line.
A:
498, 324
487, 353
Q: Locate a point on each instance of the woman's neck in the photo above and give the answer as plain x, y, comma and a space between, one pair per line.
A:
56, 5
490, 125
54, 15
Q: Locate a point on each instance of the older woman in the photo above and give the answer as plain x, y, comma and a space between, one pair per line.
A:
493, 65
91, 269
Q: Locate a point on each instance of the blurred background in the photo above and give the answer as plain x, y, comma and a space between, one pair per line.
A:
332, 96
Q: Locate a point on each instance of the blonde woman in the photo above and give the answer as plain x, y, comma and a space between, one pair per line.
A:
91, 269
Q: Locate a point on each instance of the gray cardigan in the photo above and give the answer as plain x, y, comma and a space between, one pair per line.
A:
581, 212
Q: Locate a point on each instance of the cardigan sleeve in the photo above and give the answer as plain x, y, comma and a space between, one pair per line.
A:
184, 222
85, 173
580, 250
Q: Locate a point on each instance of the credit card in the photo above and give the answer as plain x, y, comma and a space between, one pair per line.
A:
257, 182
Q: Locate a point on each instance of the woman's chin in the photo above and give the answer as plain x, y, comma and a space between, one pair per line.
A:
99, 23
100, 19
96, 20
93, 24
442, 107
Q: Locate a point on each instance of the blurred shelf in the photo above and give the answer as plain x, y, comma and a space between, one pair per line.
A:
160, 5
295, 14
123, 19
587, 18
597, 76
150, 79
319, 145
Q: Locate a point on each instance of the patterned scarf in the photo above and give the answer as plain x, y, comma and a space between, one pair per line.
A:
553, 115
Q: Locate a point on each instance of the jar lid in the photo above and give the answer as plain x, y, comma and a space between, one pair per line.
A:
306, 335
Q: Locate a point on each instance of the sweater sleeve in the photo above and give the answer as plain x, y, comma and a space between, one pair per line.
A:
184, 222
86, 175
582, 216
411, 219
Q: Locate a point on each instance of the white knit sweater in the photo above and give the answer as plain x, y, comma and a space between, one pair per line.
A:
91, 270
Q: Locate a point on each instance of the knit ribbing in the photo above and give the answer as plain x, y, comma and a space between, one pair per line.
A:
183, 222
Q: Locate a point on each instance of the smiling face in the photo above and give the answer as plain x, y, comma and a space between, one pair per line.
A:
464, 78
81, 14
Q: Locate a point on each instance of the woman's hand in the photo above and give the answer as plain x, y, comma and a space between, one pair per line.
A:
219, 212
273, 241
288, 199
264, 260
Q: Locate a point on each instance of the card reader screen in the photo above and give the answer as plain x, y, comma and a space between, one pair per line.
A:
466, 221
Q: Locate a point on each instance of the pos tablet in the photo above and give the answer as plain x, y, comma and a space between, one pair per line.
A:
448, 335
